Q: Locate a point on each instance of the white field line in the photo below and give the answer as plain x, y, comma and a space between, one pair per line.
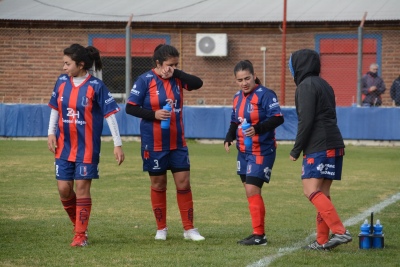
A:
352, 221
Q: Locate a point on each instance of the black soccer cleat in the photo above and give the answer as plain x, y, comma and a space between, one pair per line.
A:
251, 240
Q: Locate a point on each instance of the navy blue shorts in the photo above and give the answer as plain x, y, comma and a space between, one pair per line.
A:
256, 166
68, 171
161, 161
325, 164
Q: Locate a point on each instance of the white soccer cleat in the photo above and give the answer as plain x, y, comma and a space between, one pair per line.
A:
161, 234
193, 234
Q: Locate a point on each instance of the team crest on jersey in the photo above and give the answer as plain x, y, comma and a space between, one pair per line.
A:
250, 108
85, 101
83, 171
249, 168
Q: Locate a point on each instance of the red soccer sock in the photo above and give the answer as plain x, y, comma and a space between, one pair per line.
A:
83, 208
328, 212
70, 207
159, 205
185, 203
257, 213
322, 229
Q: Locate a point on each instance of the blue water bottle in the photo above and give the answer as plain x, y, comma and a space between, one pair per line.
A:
364, 236
378, 235
165, 123
248, 142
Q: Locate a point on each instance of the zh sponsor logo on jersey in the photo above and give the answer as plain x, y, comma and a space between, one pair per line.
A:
71, 113
74, 117
171, 102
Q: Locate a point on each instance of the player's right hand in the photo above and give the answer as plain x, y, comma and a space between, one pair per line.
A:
52, 143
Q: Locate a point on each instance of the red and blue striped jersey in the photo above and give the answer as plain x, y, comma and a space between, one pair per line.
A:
256, 107
81, 112
152, 92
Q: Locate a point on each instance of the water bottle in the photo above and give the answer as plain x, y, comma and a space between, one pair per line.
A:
248, 142
364, 236
165, 123
378, 235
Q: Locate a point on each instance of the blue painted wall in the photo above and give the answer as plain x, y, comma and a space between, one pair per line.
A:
19, 120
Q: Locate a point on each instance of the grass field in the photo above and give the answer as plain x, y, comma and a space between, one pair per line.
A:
35, 230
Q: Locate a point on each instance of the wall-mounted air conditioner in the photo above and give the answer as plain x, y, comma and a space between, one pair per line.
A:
211, 44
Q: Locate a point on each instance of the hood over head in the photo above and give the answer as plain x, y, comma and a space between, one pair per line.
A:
304, 63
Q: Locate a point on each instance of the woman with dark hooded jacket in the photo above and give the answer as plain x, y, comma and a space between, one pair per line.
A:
321, 142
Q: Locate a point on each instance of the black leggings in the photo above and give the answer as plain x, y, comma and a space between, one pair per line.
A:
252, 180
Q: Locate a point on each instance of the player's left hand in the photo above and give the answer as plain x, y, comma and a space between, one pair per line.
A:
292, 158
119, 154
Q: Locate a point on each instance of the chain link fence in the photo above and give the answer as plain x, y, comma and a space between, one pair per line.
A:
31, 60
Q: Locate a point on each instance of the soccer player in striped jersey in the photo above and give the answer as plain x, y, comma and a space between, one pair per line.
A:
165, 149
78, 105
321, 142
258, 106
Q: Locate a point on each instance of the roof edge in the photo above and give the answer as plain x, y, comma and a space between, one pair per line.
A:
192, 25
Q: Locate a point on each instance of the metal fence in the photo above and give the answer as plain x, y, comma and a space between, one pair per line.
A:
31, 60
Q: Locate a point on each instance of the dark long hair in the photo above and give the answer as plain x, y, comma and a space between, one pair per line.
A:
163, 52
246, 65
88, 56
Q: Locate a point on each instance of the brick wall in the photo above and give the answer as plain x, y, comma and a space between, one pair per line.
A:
31, 60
